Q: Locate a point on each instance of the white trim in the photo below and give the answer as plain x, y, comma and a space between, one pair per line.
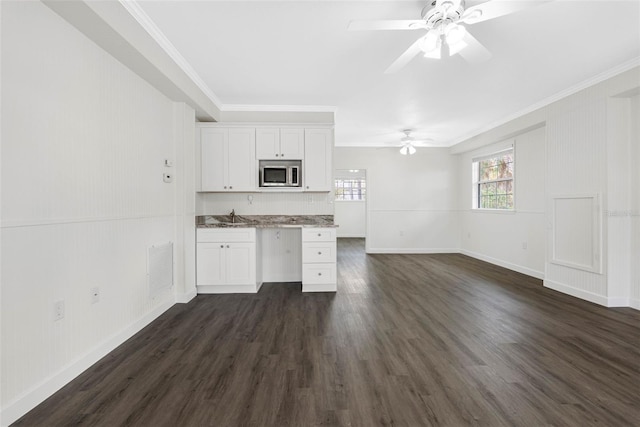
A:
150, 27
37, 222
320, 288
279, 108
413, 251
635, 303
228, 289
352, 236
618, 302
514, 267
39, 393
625, 66
185, 297
287, 125
575, 292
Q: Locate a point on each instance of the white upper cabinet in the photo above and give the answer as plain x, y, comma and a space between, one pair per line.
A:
318, 155
285, 143
227, 158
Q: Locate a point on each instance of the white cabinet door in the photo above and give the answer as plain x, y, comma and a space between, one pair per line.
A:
210, 269
241, 159
267, 144
213, 163
292, 144
318, 149
240, 263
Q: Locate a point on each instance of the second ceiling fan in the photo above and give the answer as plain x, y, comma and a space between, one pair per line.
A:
443, 21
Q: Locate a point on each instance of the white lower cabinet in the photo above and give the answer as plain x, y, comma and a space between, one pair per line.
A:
226, 260
319, 260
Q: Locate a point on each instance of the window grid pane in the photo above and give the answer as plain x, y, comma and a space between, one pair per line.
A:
495, 182
350, 189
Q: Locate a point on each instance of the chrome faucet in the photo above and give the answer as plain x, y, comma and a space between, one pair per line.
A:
233, 216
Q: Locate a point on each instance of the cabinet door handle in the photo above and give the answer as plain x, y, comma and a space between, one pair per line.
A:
222, 246
227, 246
319, 235
319, 253
307, 187
319, 274
225, 187
276, 155
281, 155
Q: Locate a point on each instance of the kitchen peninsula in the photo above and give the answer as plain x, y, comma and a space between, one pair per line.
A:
236, 253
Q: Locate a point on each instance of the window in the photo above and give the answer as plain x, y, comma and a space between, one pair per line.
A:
351, 189
493, 181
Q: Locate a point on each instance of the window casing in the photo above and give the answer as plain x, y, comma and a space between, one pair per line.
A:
350, 189
493, 181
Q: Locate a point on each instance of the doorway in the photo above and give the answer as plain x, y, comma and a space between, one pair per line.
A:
350, 212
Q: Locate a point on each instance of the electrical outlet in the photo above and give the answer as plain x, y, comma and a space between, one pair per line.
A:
58, 310
95, 295
524, 245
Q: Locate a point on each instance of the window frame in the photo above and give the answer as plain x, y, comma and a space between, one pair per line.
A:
362, 188
476, 181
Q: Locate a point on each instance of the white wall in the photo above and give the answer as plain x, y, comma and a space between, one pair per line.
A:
83, 145
411, 200
511, 239
583, 144
265, 203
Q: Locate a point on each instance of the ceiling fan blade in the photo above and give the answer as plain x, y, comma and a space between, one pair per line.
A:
407, 56
406, 24
494, 9
474, 52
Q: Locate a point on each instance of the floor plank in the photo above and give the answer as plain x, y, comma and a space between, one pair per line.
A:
408, 340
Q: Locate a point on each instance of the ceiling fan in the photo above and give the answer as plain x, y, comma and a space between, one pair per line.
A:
408, 143
443, 20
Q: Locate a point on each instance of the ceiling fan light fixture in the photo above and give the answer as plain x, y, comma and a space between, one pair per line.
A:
436, 52
430, 41
454, 33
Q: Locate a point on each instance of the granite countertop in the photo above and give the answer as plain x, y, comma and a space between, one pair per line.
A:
265, 221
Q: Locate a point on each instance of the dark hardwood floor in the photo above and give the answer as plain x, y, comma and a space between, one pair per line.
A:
408, 340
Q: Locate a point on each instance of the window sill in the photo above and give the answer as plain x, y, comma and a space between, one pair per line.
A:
494, 211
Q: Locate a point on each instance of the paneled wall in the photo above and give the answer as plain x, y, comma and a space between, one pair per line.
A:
634, 195
84, 141
411, 200
266, 203
512, 239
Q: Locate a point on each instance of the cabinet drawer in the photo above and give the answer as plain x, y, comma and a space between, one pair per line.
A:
319, 273
318, 234
226, 235
318, 252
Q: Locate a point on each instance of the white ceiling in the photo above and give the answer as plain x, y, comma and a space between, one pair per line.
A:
299, 53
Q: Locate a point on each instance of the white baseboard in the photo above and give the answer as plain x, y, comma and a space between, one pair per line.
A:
635, 303
578, 293
319, 288
185, 297
618, 302
228, 289
515, 267
350, 236
413, 250
39, 393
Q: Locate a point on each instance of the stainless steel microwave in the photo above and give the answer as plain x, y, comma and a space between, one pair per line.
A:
280, 173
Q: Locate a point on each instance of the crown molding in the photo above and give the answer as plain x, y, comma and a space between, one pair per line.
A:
150, 27
280, 108
598, 78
